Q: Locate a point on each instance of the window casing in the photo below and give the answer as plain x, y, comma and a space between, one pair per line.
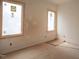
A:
51, 21
12, 19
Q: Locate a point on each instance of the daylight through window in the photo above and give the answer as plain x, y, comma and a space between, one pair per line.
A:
51, 19
11, 19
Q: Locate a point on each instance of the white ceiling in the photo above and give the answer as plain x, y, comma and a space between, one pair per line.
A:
59, 1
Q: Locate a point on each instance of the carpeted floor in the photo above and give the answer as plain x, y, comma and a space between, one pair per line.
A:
45, 51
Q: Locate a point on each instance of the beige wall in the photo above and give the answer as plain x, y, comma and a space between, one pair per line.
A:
35, 27
68, 21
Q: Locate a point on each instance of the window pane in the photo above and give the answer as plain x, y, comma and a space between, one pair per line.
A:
12, 17
51, 19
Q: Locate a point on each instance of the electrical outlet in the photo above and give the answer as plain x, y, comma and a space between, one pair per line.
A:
11, 44
2, 56
64, 41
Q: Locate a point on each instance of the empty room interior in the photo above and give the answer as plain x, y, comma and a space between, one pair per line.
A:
39, 29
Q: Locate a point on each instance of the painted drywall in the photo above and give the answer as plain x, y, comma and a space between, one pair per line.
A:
35, 27
58, 2
68, 21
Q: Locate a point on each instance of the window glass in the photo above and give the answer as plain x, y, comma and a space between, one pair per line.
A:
12, 19
51, 19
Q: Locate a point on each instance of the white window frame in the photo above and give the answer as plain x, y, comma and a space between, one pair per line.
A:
51, 27
22, 22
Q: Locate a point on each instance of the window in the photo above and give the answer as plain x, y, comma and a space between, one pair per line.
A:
51, 19
11, 19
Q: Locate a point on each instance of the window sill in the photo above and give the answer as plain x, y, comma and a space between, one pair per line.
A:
11, 36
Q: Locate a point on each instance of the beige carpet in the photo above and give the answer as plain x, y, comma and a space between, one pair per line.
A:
44, 51
63, 43
56, 42
69, 45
